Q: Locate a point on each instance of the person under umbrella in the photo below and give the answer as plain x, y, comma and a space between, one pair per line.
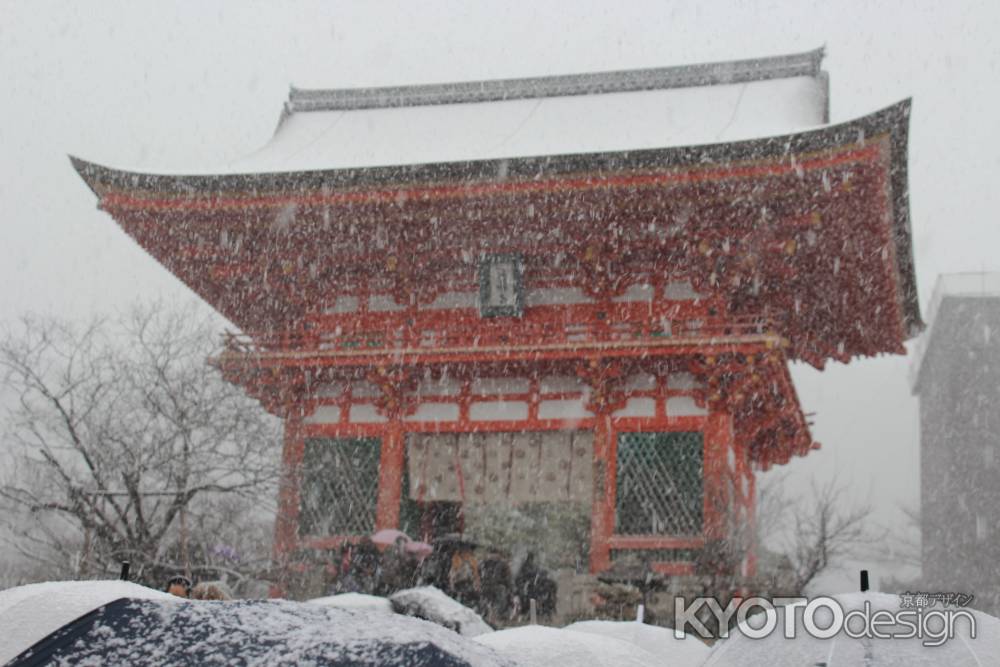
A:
179, 586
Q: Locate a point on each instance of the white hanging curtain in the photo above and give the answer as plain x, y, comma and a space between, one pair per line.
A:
538, 466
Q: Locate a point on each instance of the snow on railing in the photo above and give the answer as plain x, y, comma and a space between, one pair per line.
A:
500, 334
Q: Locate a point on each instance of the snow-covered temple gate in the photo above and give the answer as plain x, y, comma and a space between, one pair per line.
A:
605, 328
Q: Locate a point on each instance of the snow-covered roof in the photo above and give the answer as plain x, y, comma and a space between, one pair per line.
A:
979, 285
582, 113
178, 218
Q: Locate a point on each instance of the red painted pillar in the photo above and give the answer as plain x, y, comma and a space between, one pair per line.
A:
751, 516
602, 517
718, 440
390, 475
286, 525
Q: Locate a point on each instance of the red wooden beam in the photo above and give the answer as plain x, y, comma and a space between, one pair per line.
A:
673, 569
539, 352
329, 543
655, 542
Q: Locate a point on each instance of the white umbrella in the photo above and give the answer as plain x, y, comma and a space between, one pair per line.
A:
432, 604
673, 652
356, 601
539, 646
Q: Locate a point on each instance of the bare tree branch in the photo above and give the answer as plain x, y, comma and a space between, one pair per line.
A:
812, 533
118, 428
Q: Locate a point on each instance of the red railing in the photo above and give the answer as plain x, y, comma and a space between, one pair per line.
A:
448, 331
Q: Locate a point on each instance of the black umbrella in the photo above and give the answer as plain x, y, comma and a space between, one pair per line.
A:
257, 632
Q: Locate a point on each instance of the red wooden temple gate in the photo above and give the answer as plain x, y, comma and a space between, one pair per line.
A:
440, 324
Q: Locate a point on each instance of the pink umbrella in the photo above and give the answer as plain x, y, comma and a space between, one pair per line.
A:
421, 549
388, 536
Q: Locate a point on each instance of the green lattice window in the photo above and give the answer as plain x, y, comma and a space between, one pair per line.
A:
660, 484
339, 486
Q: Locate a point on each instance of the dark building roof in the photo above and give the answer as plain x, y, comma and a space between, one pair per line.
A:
978, 292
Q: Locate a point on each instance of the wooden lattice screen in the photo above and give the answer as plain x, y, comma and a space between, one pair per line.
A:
339, 486
660, 484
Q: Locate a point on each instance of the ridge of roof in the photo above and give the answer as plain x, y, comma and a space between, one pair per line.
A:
807, 63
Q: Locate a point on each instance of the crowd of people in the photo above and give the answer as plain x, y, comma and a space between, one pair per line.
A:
205, 590
483, 582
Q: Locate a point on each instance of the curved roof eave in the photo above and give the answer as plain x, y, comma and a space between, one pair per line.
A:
892, 120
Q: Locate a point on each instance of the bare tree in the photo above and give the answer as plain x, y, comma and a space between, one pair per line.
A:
811, 533
126, 445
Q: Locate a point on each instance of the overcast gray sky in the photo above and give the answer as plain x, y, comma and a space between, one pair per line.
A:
174, 86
